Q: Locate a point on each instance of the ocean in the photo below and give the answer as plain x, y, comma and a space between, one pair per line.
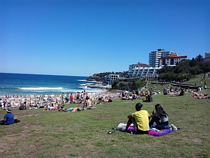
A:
17, 84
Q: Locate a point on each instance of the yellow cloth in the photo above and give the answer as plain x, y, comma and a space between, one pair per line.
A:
142, 120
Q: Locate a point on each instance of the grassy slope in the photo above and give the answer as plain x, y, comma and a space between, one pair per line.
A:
84, 134
198, 80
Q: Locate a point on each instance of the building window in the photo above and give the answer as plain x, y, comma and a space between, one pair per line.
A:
172, 62
163, 62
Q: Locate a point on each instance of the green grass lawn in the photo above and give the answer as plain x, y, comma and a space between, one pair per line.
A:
199, 81
84, 134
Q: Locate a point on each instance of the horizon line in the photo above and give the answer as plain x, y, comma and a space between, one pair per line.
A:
19, 73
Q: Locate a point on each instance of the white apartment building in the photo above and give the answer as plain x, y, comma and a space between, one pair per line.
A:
111, 78
171, 60
207, 55
157, 59
136, 66
154, 57
142, 71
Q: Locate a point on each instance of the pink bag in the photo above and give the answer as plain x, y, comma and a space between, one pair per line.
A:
131, 128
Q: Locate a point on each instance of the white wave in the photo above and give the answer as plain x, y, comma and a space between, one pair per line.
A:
40, 88
95, 90
70, 90
87, 81
86, 84
83, 87
82, 80
89, 90
59, 89
92, 81
83, 84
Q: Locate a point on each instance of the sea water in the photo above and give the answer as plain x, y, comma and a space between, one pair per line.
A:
11, 84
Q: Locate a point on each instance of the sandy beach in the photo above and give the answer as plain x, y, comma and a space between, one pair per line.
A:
40, 101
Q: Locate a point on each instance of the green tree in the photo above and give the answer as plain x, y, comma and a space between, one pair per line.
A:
140, 84
199, 58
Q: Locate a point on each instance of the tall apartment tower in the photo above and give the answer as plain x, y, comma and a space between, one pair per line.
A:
154, 57
207, 55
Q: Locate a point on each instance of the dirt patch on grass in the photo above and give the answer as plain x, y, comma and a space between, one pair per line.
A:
3, 147
197, 141
12, 141
27, 115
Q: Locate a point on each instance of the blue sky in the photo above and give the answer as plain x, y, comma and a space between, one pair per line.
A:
83, 37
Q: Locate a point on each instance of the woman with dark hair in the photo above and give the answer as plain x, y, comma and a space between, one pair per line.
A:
159, 118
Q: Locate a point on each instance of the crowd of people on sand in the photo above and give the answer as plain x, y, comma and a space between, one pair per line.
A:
56, 102
83, 101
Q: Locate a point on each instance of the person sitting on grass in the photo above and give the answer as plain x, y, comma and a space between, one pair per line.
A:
89, 103
71, 98
86, 104
61, 107
159, 118
148, 97
140, 119
9, 118
165, 91
177, 92
181, 92
22, 107
197, 95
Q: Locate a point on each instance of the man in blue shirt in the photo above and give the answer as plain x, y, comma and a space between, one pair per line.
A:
8, 118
